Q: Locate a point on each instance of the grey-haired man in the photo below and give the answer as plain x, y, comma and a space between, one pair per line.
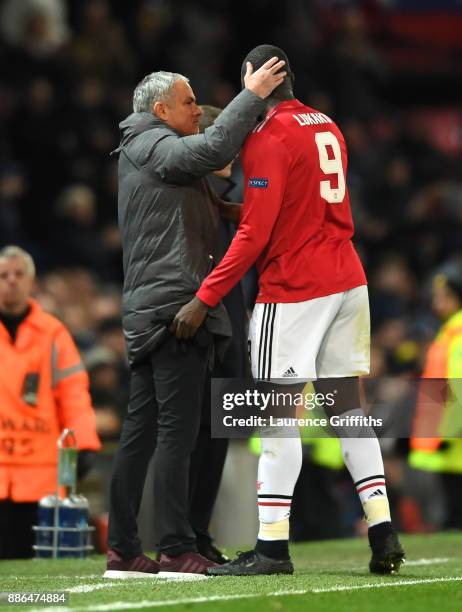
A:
169, 220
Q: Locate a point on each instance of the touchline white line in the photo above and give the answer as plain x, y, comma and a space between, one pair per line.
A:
381, 585
126, 605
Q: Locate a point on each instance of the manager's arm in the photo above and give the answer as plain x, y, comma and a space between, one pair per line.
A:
178, 160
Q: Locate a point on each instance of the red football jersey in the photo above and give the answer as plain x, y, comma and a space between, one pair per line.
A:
296, 220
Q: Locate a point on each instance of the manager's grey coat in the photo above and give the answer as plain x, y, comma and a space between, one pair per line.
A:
168, 217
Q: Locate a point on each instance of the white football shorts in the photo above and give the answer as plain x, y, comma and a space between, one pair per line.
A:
327, 337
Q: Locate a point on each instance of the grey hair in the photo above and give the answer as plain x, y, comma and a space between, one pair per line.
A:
153, 88
12, 251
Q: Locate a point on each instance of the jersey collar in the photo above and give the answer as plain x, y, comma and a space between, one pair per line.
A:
285, 105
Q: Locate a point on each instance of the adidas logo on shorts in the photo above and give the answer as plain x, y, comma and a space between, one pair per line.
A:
290, 373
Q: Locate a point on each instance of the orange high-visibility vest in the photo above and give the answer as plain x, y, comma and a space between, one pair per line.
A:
443, 361
43, 389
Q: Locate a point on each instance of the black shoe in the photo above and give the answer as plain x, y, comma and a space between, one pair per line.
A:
252, 563
211, 552
387, 553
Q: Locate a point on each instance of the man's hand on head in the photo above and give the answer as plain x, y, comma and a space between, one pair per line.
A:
264, 80
188, 319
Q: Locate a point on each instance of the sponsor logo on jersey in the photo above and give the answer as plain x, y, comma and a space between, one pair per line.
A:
260, 183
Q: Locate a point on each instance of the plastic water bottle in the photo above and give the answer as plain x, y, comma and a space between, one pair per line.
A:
46, 519
73, 523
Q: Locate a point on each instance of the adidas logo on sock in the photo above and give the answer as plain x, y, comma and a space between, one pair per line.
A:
290, 373
376, 493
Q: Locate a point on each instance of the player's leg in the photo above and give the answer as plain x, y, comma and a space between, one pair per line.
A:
283, 350
360, 447
273, 335
278, 470
284, 347
343, 356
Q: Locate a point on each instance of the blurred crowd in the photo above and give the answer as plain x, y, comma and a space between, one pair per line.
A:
68, 73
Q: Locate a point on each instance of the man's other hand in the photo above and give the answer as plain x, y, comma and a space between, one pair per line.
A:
188, 319
264, 80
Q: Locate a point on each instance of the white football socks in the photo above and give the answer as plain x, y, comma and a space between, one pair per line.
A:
363, 458
278, 469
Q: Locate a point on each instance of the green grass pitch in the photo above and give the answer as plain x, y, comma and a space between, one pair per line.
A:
330, 576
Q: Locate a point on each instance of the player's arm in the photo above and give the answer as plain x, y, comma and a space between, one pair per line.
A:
266, 166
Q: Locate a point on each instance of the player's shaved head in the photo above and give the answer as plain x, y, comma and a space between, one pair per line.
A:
261, 54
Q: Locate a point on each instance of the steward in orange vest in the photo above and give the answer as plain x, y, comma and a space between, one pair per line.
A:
43, 389
436, 443
438, 414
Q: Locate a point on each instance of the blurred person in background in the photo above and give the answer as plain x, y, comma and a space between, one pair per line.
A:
110, 337
13, 186
436, 445
36, 32
43, 389
74, 292
108, 401
77, 237
393, 301
354, 67
168, 222
41, 24
100, 48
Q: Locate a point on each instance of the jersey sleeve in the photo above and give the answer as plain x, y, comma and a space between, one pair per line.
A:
266, 163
